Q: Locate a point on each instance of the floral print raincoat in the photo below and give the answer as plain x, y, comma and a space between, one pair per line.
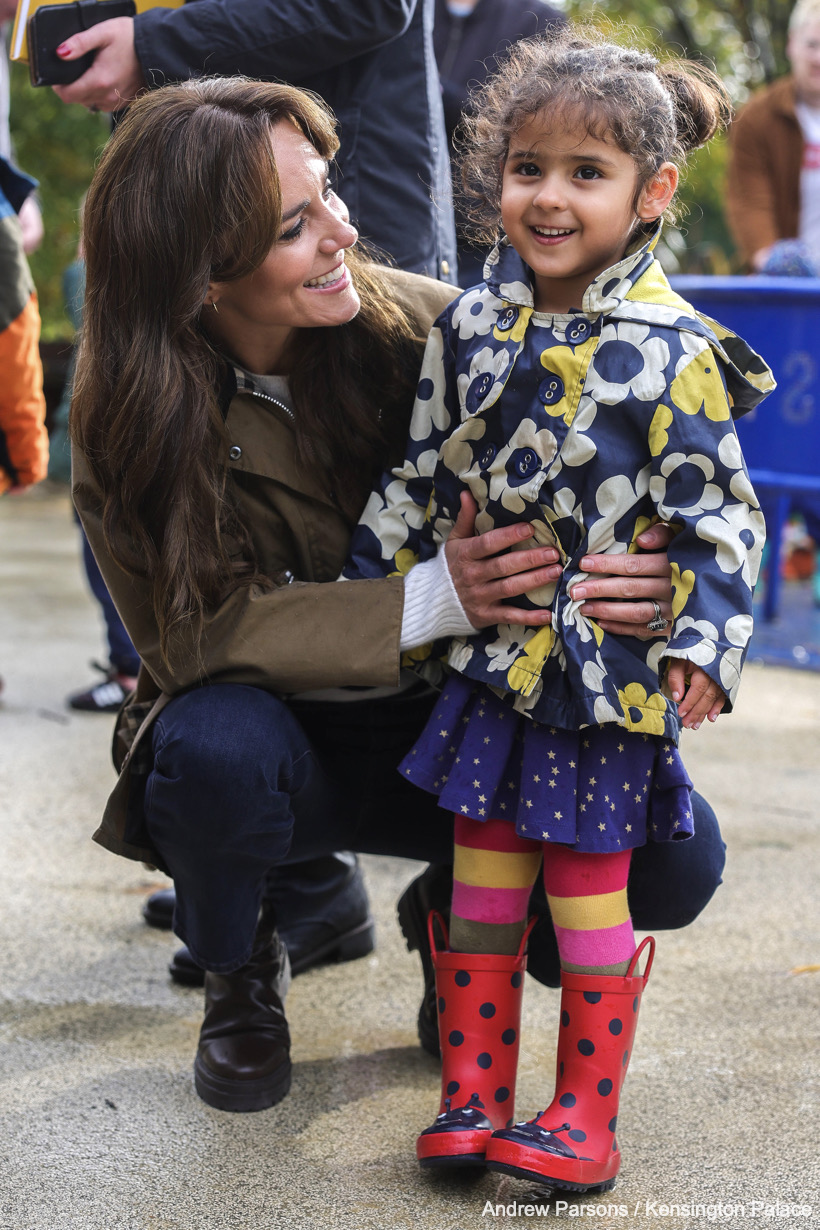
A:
589, 425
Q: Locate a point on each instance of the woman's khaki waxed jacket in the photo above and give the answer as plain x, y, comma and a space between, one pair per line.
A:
298, 636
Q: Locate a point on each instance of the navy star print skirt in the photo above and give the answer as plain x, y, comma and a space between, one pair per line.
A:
600, 789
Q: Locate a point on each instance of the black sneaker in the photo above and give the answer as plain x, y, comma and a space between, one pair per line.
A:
105, 697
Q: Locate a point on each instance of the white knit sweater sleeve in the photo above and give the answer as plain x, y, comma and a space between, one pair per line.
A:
431, 605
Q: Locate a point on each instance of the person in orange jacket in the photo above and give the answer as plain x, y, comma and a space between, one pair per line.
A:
23, 436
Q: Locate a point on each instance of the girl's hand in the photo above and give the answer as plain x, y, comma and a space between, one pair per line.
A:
701, 698
485, 570
628, 585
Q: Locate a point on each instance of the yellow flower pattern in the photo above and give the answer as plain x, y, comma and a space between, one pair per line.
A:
643, 714
682, 585
525, 673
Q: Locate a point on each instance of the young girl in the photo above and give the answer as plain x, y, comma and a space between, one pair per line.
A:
573, 389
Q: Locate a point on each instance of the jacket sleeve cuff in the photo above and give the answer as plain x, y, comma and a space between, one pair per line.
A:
431, 605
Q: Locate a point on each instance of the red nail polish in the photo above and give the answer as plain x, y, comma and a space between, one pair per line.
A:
63, 49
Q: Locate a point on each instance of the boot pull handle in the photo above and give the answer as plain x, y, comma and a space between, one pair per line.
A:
432, 918
630, 973
522, 946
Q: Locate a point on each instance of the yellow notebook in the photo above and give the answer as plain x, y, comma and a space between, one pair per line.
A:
25, 8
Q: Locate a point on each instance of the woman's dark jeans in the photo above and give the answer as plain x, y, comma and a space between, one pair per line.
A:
243, 781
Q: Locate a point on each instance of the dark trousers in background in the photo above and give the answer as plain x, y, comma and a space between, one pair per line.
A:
121, 652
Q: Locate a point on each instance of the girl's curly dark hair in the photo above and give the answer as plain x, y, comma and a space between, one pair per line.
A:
655, 111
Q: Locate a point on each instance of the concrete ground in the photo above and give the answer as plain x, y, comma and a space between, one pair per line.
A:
100, 1127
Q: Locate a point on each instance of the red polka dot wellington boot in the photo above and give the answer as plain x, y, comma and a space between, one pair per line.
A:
479, 1020
572, 1143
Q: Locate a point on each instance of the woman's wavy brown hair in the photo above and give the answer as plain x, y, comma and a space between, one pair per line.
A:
187, 193
654, 110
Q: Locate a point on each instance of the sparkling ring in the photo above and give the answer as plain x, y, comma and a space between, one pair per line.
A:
657, 623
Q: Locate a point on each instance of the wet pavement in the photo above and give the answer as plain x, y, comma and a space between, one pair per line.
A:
100, 1126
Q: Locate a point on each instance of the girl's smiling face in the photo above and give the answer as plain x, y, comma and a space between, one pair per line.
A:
569, 205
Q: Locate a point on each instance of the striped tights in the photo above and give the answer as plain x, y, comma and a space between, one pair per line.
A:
493, 874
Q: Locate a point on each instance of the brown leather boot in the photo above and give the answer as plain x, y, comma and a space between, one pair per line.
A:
243, 1061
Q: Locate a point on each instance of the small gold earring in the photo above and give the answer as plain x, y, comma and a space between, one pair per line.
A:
215, 308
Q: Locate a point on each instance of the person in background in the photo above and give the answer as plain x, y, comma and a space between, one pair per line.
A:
121, 670
773, 182
29, 215
23, 436
372, 61
468, 37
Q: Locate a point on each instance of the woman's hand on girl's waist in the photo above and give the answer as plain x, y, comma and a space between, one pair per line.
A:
622, 594
487, 571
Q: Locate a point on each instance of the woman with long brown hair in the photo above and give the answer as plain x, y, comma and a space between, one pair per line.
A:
243, 375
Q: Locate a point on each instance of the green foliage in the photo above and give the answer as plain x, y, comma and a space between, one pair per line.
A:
58, 145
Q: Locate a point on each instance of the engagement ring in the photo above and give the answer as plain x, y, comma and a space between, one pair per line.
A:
657, 623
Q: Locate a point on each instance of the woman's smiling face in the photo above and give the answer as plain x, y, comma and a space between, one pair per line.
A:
569, 207
303, 282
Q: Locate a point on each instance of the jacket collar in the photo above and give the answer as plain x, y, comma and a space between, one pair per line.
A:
636, 289
509, 278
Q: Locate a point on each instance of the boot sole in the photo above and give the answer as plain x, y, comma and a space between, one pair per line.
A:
519, 1172
241, 1096
463, 1159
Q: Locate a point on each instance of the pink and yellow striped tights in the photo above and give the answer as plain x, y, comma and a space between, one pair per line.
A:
493, 874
